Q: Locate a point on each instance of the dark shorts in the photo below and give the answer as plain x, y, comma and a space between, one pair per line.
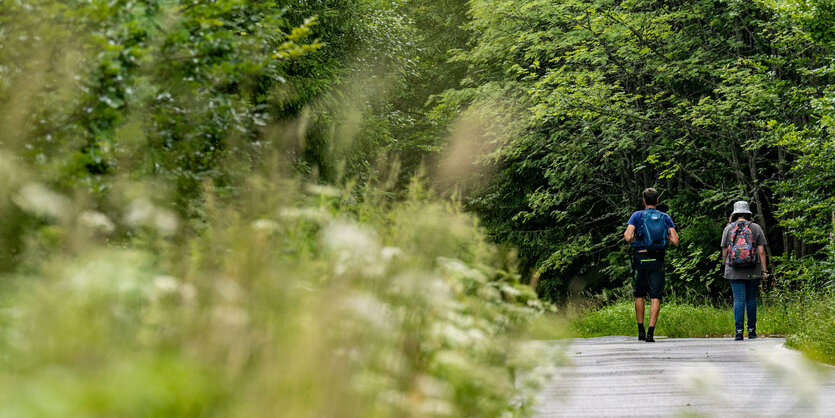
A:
649, 275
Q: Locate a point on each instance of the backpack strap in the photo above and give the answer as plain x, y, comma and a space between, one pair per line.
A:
734, 235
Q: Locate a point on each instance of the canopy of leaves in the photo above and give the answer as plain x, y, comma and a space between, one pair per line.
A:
710, 102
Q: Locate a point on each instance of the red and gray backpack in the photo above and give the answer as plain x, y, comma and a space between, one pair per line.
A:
742, 247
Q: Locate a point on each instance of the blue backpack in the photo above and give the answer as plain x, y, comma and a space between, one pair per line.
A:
654, 230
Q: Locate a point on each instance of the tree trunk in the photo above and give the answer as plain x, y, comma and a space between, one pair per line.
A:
798, 247
740, 176
756, 194
781, 156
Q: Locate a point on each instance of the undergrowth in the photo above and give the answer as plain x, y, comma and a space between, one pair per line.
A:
292, 298
806, 320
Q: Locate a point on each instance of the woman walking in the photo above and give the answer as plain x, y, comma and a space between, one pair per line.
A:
743, 254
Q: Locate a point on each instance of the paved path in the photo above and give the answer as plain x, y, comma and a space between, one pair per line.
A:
621, 376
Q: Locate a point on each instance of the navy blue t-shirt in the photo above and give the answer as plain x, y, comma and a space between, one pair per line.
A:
637, 219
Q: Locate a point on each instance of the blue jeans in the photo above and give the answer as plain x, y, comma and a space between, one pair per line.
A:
745, 299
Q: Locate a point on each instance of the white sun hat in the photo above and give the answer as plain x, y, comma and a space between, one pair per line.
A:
741, 207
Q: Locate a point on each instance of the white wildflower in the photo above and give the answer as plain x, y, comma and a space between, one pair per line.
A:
452, 335
489, 293
163, 287
143, 212
323, 190
165, 221
118, 272
535, 303
510, 290
366, 307
476, 336
266, 225
309, 214
140, 211
354, 247
389, 253
165, 284
441, 293
36, 199
459, 268
96, 221
410, 283
453, 361
344, 236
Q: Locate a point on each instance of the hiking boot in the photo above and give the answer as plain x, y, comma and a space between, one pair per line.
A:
752, 334
650, 339
738, 335
642, 336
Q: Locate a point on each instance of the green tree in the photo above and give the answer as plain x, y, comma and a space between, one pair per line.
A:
620, 96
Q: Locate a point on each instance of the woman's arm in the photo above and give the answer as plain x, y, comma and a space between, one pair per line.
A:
761, 251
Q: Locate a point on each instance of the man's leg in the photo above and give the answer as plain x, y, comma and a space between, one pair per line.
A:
639, 310
640, 288
639, 316
656, 291
654, 308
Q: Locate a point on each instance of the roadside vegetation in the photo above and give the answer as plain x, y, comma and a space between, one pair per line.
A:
807, 321
199, 219
295, 298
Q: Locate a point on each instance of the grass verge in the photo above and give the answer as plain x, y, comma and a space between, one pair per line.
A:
807, 321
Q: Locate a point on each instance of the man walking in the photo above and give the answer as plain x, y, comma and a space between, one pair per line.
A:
648, 231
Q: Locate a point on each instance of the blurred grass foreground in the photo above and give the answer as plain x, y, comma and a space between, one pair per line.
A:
162, 255
293, 306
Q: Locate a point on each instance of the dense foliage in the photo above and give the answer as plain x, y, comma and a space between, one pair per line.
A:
709, 101
169, 249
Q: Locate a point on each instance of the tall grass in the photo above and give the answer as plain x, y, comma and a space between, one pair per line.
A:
285, 304
677, 320
806, 320
812, 323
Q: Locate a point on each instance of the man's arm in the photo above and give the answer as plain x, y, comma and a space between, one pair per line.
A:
673, 236
629, 234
